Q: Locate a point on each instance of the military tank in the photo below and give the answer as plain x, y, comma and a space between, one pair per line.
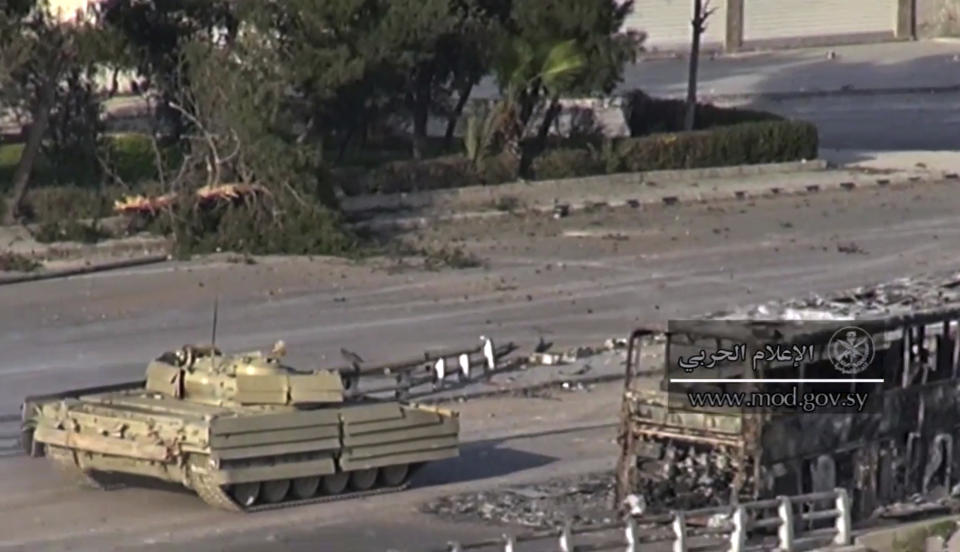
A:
244, 431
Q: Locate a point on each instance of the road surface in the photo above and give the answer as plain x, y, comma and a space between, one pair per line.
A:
666, 262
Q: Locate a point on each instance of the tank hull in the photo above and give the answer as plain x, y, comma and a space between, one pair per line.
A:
241, 458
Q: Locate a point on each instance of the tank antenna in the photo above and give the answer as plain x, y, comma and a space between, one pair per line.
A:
213, 337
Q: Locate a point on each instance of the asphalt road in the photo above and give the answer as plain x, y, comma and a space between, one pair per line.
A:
677, 262
881, 122
668, 262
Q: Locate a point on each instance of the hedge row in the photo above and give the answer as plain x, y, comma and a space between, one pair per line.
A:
740, 144
645, 115
744, 144
450, 171
131, 157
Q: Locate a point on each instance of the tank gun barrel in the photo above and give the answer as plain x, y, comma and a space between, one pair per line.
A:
413, 364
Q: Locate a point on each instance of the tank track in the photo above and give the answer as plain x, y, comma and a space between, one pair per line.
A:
65, 462
218, 497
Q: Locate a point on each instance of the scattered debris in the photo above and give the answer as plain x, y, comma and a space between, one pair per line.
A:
850, 248
578, 386
585, 500
878, 300
543, 346
546, 359
581, 371
615, 343
577, 353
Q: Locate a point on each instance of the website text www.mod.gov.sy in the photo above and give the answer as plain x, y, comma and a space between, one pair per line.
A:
809, 401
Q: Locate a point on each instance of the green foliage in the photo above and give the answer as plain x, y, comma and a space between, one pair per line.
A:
9, 157
478, 137
567, 163
71, 231
411, 176
594, 30
15, 262
255, 227
646, 115
62, 203
523, 67
500, 168
74, 134
129, 156
748, 143
916, 540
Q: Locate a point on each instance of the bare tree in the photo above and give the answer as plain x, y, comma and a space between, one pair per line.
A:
701, 12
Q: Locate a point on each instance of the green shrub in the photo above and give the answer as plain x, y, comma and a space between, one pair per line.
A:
744, 144
61, 203
916, 540
499, 169
255, 227
451, 171
70, 231
15, 262
129, 155
132, 158
645, 115
567, 163
9, 157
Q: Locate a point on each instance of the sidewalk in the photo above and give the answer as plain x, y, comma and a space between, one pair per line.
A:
896, 65
933, 162
419, 209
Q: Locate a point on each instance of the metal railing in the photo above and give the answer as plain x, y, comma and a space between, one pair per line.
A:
759, 525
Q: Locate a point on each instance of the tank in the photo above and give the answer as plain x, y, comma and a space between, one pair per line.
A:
244, 431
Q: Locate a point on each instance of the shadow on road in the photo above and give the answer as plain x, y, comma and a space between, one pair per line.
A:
479, 461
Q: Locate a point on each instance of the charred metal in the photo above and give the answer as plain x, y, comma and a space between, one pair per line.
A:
904, 449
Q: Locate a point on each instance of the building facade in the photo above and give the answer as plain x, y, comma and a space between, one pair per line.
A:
751, 24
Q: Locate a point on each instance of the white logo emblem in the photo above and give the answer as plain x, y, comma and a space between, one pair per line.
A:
851, 350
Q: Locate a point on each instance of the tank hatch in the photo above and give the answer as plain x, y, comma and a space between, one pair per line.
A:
203, 373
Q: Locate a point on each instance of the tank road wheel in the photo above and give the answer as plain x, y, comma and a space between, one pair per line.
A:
275, 491
363, 480
246, 494
393, 476
305, 487
65, 461
335, 483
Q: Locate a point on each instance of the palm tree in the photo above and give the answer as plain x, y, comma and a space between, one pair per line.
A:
524, 72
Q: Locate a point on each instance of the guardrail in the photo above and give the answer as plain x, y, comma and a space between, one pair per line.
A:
736, 528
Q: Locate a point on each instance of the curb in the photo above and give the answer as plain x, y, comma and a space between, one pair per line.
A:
366, 203
103, 267
685, 196
799, 94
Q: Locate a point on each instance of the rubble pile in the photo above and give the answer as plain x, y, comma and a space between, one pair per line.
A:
584, 500
685, 481
928, 291
694, 482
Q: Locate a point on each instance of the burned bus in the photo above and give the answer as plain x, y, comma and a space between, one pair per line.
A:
899, 445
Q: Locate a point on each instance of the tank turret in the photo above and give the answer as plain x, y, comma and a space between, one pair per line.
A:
204, 374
